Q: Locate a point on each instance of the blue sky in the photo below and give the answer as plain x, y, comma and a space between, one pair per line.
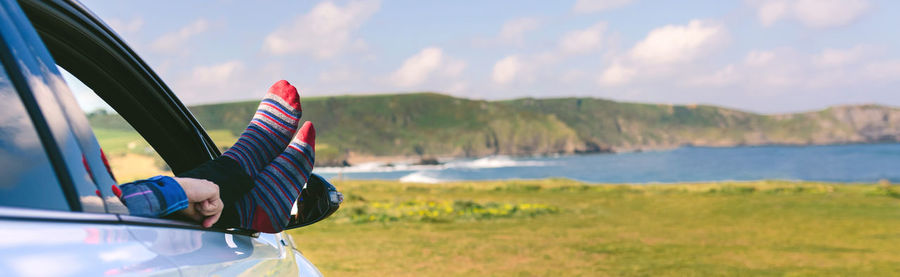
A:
769, 56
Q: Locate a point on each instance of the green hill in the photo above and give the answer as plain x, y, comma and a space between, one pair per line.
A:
424, 124
429, 124
630, 126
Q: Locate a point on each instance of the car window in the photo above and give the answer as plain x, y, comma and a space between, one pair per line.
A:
130, 156
28, 179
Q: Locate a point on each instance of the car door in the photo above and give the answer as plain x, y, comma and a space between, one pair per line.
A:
52, 223
86, 48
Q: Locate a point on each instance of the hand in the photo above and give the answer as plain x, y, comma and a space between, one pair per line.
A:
204, 204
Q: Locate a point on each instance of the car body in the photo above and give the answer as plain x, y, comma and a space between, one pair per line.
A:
58, 214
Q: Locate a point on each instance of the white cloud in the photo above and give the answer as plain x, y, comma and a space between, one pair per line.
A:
453, 68
725, 76
583, 41
323, 32
206, 83
174, 41
338, 76
771, 11
572, 76
829, 13
126, 27
883, 70
679, 43
593, 6
811, 13
759, 58
216, 74
786, 70
506, 69
526, 67
419, 68
842, 57
458, 87
513, 31
617, 74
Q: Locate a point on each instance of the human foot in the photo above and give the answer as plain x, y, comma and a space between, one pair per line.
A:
267, 208
270, 130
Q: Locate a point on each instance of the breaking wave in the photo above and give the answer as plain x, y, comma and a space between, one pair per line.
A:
486, 162
421, 177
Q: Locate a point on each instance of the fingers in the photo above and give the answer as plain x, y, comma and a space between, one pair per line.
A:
206, 205
209, 221
212, 209
198, 190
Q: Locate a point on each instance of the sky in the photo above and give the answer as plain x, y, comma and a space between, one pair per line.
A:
766, 56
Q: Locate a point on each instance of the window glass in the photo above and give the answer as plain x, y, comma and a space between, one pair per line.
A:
28, 179
130, 156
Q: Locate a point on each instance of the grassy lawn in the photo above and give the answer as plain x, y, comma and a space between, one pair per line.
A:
566, 228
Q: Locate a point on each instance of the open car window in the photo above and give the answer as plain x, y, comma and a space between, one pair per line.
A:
130, 156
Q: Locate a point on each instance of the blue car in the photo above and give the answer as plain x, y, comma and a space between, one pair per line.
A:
58, 214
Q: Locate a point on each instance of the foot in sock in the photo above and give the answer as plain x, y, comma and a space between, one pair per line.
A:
269, 131
267, 208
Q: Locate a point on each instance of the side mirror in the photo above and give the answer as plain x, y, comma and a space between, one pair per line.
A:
318, 200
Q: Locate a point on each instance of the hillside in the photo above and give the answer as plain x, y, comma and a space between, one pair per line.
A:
424, 124
429, 124
630, 126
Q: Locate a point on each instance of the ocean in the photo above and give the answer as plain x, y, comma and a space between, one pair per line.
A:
831, 163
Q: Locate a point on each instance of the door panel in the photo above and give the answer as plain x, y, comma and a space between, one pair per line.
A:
35, 248
29, 77
207, 253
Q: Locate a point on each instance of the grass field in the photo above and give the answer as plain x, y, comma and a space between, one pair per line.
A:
566, 228
132, 158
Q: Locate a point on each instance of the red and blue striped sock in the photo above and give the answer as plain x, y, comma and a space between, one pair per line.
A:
269, 131
267, 208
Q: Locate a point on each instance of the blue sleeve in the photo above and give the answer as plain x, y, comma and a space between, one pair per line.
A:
156, 197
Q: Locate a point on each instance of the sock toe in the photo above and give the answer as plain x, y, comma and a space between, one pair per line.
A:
287, 92
307, 134
262, 223
270, 130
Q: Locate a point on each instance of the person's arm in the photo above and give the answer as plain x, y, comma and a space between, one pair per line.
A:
161, 196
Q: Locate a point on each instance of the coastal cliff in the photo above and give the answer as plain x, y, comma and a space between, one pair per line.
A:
423, 125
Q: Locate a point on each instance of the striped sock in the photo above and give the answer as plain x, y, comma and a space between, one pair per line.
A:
267, 208
269, 131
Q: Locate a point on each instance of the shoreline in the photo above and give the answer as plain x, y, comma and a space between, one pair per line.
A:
355, 159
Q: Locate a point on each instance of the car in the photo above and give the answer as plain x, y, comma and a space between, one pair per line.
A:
58, 214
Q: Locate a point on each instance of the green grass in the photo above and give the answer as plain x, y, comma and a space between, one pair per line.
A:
767, 228
120, 142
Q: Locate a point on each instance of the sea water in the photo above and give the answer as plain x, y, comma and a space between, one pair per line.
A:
832, 163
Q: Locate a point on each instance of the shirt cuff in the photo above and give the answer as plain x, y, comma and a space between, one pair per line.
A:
157, 196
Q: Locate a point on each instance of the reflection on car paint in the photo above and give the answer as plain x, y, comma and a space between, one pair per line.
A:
200, 252
28, 180
74, 249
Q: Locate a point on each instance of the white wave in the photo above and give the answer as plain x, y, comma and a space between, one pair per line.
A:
495, 162
377, 167
486, 162
420, 177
